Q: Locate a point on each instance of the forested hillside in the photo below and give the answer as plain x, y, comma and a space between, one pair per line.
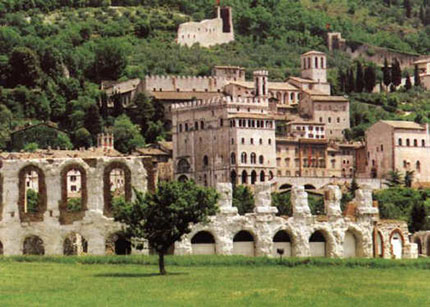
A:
54, 53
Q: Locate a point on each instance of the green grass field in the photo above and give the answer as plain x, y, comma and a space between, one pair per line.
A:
223, 281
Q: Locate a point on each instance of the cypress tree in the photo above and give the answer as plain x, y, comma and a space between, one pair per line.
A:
359, 82
408, 84
417, 79
93, 121
396, 73
408, 8
350, 82
370, 78
341, 81
387, 73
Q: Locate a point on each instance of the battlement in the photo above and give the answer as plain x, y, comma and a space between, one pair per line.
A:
219, 101
170, 83
264, 73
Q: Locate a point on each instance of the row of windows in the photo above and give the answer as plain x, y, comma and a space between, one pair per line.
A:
251, 141
310, 128
197, 125
408, 142
245, 177
251, 123
317, 61
244, 158
407, 165
329, 107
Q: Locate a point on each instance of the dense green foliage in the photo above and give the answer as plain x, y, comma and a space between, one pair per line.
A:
165, 216
243, 199
32, 201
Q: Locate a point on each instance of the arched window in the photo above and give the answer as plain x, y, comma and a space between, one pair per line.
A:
270, 175
243, 141
196, 126
253, 158
253, 177
74, 193
423, 143
202, 124
415, 142
408, 142
33, 245
243, 157
261, 141
322, 62
205, 161
270, 141
252, 141
233, 158
261, 159
116, 184
400, 142
329, 119
244, 177
232, 141
180, 127
75, 244
262, 176
309, 63
291, 97
418, 166
233, 177
32, 194
186, 126
316, 62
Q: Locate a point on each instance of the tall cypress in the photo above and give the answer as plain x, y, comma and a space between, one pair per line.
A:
369, 78
408, 8
359, 82
350, 84
387, 73
396, 73
408, 84
417, 79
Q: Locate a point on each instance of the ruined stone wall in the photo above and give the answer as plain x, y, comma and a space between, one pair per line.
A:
92, 224
263, 225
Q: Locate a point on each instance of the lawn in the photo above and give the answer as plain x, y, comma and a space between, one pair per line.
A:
75, 284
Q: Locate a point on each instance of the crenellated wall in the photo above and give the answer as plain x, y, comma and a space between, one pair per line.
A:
184, 83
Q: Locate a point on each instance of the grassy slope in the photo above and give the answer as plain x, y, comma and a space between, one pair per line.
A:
53, 284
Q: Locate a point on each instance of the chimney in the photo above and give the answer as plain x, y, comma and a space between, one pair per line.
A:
260, 83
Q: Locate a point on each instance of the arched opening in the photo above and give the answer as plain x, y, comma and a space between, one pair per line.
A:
233, 177
74, 193
182, 178
118, 244
33, 245
350, 245
253, 177
243, 157
117, 185
244, 177
1, 248
417, 241
203, 243
378, 244
32, 194
205, 161
183, 166
282, 241
262, 176
285, 186
318, 244
75, 245
261, 159
253, 158
309, 187
243, 244
270, 175
233, 158
396, 241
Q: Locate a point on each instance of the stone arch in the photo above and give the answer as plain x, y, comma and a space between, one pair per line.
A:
378, 244
244, 243
203, 243
118, 244
317, 249
397, 242
33, 245
359, 241
182, 178
309, 186
36, 215
284, 241
75, 244
183, 166
262, 176
244, 177
285, 186
68, 212
253, 177
107, 209
233, 177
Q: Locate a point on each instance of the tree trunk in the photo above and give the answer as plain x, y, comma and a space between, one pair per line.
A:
161, 264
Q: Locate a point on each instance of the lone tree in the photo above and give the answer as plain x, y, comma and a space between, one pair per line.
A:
164, 216
387, 73
417, 79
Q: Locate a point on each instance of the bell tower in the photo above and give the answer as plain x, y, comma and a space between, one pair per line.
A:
314, 66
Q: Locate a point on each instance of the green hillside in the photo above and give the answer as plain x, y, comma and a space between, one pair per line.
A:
54, 53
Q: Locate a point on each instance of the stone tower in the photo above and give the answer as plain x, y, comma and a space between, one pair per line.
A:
260, 83
314, 66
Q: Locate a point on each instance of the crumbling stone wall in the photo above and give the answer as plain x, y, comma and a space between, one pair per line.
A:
263, 224
92, 225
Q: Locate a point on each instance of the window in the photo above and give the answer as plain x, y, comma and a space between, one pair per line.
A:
316, 62
205, 161
180, 127
233, 158
382, 147
252, 141
423, 143
329, 119
186, 126
243, 157
321, 119
196, 126
261, 141
405, 164
243, 140
232, 141
415, 142
221, 122
408, 143
338, 120
400, 142
418, 166
253, 158
322, 62
270, 141
202, 125
261, 159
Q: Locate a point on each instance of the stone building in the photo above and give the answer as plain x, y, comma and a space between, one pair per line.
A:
357, 233
224, 139
69, 208
398, 145
208, 32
